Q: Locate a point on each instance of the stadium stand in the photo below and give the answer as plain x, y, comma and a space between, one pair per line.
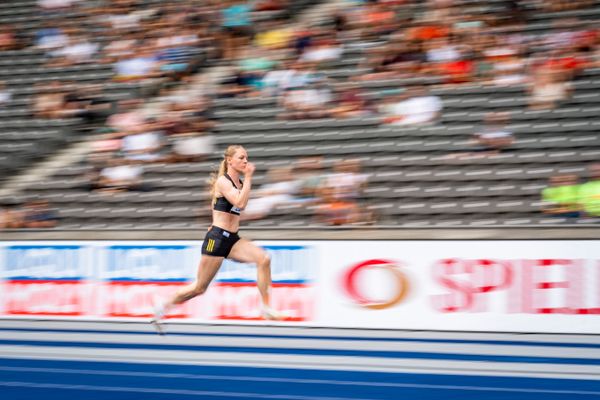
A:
418, 175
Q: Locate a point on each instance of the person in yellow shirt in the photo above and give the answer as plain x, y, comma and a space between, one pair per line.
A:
562, 196
274, 35
589, 192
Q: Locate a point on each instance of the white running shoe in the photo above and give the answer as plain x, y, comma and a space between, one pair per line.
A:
271, 314
158, 325
157, 320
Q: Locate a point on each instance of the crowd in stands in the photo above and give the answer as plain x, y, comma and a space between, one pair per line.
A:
335, 196
443, 41
460, 47
169, 41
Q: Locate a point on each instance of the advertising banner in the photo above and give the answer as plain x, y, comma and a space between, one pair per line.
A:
45, 280
532, 286
518, 286
127, 280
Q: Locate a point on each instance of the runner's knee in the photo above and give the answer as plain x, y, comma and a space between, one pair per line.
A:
264, 260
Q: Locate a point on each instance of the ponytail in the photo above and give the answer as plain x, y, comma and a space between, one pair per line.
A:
212, 182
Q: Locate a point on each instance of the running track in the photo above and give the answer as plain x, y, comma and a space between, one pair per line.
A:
93, 360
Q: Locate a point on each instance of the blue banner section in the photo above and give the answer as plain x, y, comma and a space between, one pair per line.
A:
159, 263
289, 265
44, 262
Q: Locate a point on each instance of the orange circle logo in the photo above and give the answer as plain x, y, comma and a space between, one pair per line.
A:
350, 283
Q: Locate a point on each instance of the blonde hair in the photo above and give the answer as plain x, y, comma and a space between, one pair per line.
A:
229, 152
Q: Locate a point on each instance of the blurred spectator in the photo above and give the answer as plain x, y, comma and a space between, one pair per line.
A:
373, 19
441, 50
77, 51
8, 38
50, 37
55, 5
277, 80
38, 214
548, 89
275, 34
187, 122
181, 115
351, 103
398, 59
64, 100
347, 180
426, 30
97, 160
192, 146
177, 52
343, 190
143, 65
236, 26
11, 216
121, 47
566, 63
121, 17
146, 144
271, 5
494, 136
450, 59
128, 117
307, 94
236, 83
254, 64
121, 175
50, 101
322, 48
311, 101
562, 196
3, 218
589, 192
280, 190
506, 63
415, 106
92, 102
5, 94
332, 210
309, 174
564, 5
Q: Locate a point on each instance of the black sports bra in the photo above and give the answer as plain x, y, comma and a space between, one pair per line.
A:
222, 204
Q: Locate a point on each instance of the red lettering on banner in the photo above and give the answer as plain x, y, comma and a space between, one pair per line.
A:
526, 286
576, 288
60, 298
135, 299
241, 301
460, 297
538, 286
483, 276
542, 296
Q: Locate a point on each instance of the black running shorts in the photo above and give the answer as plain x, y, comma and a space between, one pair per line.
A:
219, 242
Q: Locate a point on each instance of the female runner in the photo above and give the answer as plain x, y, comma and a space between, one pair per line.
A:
230, 196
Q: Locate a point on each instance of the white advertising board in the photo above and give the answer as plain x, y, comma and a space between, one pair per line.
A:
521, 286
518, 286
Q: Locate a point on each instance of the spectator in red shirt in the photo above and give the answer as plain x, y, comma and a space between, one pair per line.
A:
8, 40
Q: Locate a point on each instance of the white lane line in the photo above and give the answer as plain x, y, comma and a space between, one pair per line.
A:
282, 396
309, 344
181, 392
304, 362
183, 326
